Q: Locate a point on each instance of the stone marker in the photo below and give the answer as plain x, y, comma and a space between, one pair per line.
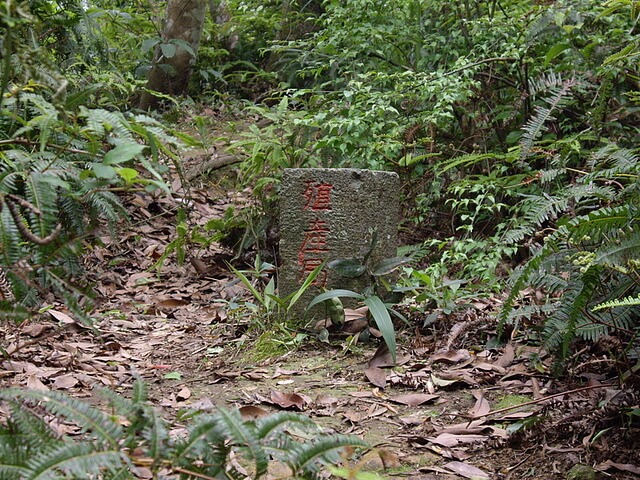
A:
329, 214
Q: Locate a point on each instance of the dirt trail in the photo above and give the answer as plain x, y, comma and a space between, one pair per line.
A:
436, 414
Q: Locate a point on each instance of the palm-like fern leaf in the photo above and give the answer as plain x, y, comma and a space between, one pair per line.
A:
561, 90
100, 122
621, 252
231, 426
304, 457
204, 441
275, 423
606, 222
10, 238
11, 472
74, 460
630, 301
104, 428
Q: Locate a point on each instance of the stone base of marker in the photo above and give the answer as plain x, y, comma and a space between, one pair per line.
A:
333, 213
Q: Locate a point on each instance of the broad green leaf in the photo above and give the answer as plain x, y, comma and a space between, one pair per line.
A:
56, 181
305, 285
388, 265
554, 51
269, 292
122, 153
168, 49
184, 45
347, 267
381, 316
333, 294
103, 171
148, 44
128, 174
247, 283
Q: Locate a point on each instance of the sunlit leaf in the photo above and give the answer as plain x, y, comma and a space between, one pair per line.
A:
380, 315
128, 174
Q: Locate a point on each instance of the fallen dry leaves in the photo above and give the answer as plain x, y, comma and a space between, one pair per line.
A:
172, 327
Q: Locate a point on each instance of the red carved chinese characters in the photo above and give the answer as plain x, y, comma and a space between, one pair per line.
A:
318, 196
313, 249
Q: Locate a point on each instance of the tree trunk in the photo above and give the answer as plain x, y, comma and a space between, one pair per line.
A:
172, 62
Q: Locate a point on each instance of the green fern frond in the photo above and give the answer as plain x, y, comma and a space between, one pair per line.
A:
590, 330
10, 472
560, 93
275, 423
619, 253
619, 160
80, 97
519, 280
560, 329
104, 428
465, 161
560, 90
105, 206
148, 127
10, 238
119, 403
325, 449
604, 223
539, 209
550, 81
530, 311
231, 426
23, 437
31, 450
72, 215
99, 122
74, 460
9, 180
139, 393
630, 301
156, 435
203, 437
41, 193
548, 176
545, 20
25, 428
553, 275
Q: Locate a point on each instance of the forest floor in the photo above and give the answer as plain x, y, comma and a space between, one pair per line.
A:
449, 408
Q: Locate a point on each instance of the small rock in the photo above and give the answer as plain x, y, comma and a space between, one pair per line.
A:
581, 472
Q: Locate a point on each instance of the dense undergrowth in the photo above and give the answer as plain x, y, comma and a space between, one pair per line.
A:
513, 125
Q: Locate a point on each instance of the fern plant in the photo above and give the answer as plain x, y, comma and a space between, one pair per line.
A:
590, 265
60, 169
560, 94
62, 159
219, 445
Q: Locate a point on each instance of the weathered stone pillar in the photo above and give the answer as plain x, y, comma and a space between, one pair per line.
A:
332, 213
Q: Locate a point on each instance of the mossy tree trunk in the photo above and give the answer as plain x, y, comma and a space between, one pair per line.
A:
175, 55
